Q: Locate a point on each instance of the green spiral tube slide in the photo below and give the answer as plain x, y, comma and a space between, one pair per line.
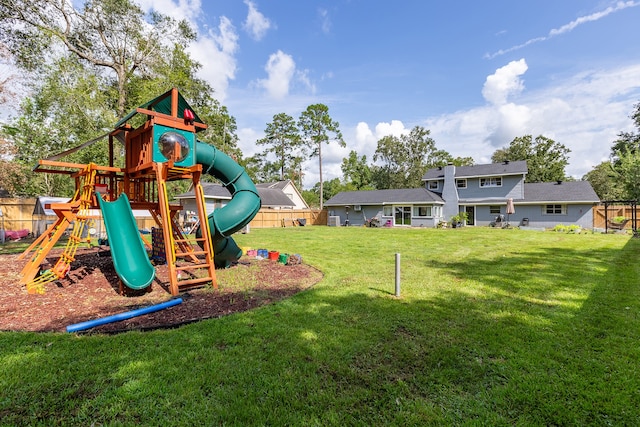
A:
243, 207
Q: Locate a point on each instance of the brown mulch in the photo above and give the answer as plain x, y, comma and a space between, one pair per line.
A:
91, 291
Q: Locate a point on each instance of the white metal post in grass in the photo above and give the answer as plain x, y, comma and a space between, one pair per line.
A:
397, 275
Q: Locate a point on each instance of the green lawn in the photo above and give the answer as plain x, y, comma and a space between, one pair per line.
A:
493, 327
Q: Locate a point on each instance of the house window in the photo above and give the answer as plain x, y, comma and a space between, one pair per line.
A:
461, 183
555, 209
387, 211
495, 181
357, 208
432, 185
494, 209
422, 211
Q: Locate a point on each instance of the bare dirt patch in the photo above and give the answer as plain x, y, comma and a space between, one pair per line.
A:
91, 291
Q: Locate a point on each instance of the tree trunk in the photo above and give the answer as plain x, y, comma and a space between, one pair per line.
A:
320, 170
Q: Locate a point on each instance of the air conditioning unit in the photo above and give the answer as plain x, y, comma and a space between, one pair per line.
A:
334, 221
357, 208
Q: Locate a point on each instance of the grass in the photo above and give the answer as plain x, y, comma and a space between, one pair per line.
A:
493, 327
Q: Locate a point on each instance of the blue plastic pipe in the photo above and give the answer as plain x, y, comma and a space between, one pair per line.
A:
123, 316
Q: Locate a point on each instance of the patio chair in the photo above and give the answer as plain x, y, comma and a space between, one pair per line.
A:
498, 222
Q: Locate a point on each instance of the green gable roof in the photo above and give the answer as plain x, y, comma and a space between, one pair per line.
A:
162, 104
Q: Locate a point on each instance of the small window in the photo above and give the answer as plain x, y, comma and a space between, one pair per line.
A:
432, 185
387, 211
422, 211
555, 210
495, 181
461, 183
494, 210
357, 208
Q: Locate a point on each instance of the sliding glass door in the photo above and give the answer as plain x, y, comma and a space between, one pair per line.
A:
402, 215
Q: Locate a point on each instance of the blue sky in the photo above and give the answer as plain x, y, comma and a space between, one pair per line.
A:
477, 74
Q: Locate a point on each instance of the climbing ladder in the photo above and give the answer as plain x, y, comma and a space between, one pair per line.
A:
195, 267
77, 212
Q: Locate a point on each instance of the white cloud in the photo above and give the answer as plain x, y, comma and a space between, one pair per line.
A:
280, 70
256, 23
584, 112
302, 76
593, 17
505, 82
216, 52
180, 9
620, 5
325, 20
395, 128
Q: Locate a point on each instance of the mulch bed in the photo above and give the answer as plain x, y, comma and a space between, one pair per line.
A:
91, 291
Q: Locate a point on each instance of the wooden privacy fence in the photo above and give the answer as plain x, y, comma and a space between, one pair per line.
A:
612, 211
267, 218
17, 214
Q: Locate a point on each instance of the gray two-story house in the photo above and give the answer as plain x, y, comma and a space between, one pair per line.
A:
482, 191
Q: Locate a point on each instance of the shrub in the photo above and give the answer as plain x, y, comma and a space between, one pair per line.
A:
560, 228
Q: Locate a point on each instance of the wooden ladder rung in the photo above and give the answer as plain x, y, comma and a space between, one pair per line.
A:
194, 282
195, 239
192, 267
186, 254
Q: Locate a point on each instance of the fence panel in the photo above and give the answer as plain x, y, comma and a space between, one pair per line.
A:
267, 218
613, 211
17, 213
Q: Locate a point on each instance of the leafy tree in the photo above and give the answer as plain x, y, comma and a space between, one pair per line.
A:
546, 158
312, 197
628, 173
406, 158
6, 76
107, 59
260, 169
318, 128
625, 156
628, 142
604, 180
282, 139
330, 188
14, 177
618, 178
112, 35
356, 171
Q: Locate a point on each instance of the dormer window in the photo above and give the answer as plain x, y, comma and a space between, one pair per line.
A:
495, 181
432, 185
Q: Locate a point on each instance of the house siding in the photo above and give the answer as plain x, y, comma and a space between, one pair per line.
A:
359, 218
512, 187
580, 214
577, 198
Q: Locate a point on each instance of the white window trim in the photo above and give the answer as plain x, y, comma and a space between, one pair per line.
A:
461, 181
563, 209
490, 178
432, 185
417, 207
495, 213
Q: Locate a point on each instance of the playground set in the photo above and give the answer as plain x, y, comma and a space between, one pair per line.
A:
163, 149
